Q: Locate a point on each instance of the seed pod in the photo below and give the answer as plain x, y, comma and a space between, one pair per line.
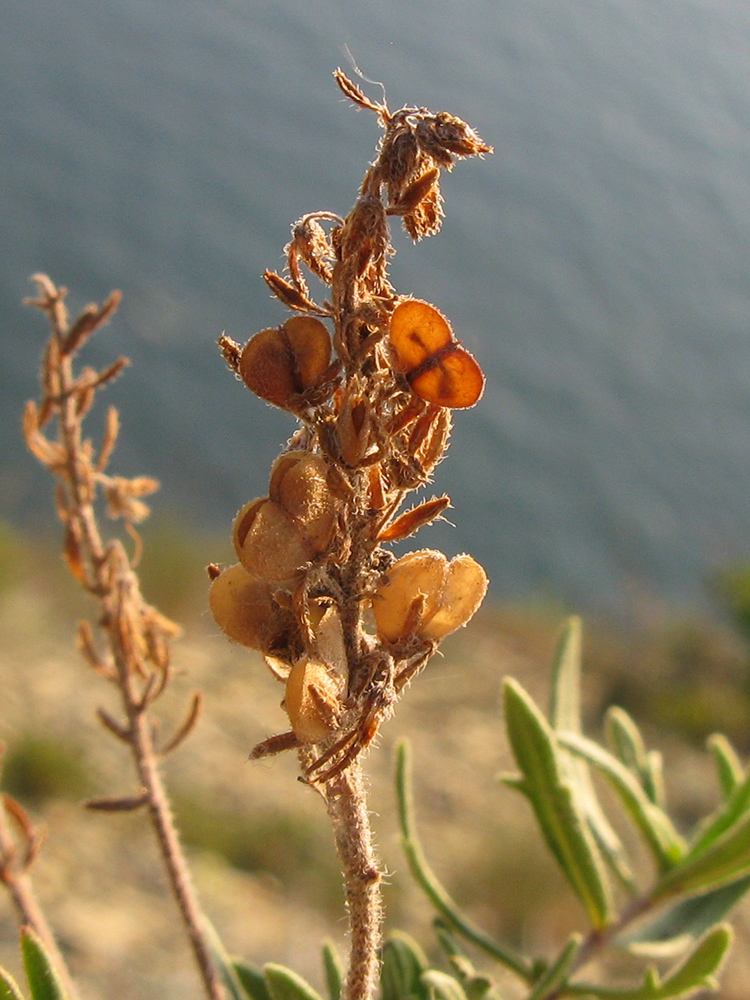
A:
426, 597
282, 363
312, 701
244, 609
269, 543
299, 483
438, 369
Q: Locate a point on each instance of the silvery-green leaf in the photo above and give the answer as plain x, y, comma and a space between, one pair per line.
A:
224, 965
558, 972
333, 969
9, 987
685, 922
728, 764
696, 972
736, 807
283, 984
724, 861
429, 883
442, 986
252, 980
402, 966
666, 844
44, 980
563, 827
565, 714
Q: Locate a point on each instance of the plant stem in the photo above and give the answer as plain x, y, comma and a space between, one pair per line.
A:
347, 807
15, 877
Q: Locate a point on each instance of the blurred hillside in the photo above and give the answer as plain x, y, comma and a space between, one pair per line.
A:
262, 852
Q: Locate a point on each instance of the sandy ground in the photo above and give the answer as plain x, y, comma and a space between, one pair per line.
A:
98, 875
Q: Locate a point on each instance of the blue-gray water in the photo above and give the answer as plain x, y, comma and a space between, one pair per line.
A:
598, 265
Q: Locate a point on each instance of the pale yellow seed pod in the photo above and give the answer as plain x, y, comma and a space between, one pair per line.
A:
299, 484
397, 606
243, 608
426, 597
312, 701
463, 591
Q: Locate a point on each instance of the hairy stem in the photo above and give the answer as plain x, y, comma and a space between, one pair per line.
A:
347, 807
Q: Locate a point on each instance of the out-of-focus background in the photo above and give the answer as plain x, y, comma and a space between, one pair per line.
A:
597, 266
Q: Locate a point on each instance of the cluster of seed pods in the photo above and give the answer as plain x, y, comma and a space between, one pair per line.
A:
372, 378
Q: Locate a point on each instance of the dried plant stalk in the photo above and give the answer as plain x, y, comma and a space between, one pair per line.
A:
135, 638
372, 378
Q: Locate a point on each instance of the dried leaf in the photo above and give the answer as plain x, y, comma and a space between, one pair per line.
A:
414, 519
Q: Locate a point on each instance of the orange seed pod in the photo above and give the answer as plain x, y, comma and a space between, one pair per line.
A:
438, 369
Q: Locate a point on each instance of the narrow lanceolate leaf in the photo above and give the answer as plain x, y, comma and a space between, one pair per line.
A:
429, 883
9, 987
666, 844
728, 763
252, 980
727, 859
283, 984
44, 981
402, 968
735, 809
685, 922
624, 736
565, 714
697, 972
562, 824
334, 971
223, 964
441, 986
556, 975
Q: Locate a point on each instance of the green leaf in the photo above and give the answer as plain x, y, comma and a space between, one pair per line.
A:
429, 883
44, 981
441, 986
697, 972
476, 985
666, 844
9, 987
626, 741
284, 984
225, 966
334, 970
558, 972
671, 932
402, 968
252, 980
728, 763
727, 859
564, 829
735, 809
565, 714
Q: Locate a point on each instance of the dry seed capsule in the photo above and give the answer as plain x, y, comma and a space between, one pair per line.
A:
427, 597
414, 576
312, 701
463, 591
243, 608
270, 545
280, 364
299, 484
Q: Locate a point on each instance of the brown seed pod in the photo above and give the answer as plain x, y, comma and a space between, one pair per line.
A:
243, 608
426, 597
282, 363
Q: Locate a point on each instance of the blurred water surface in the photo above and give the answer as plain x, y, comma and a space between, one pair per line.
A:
598, 265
